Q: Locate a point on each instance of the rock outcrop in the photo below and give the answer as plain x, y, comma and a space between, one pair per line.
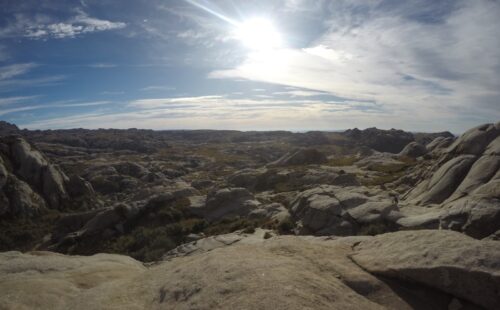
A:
461, 266
392, 141
464, 182
414, 150
342, 211
439, 144
8, 128
426, 138
226, 203
29, 183
393, 271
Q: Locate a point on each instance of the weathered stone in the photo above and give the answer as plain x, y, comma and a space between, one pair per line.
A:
414, 150
445, 260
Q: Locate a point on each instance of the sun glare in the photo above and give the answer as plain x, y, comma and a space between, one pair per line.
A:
259, 34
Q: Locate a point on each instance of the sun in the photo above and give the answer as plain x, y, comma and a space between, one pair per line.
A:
258, 34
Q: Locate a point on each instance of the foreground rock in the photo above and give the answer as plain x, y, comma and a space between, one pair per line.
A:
250, 272
458, 265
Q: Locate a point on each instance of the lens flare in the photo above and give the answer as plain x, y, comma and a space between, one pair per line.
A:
258, 34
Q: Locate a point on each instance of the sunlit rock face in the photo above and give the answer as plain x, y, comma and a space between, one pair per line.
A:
464, 182
402, 270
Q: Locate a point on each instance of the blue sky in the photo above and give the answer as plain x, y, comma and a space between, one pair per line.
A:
422, 65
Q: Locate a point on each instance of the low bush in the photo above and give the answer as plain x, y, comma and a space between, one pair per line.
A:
286, 226
22, 234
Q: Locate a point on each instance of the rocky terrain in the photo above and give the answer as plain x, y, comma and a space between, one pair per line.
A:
141, 219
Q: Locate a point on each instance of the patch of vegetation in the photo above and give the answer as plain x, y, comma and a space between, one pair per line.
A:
228, 225
342, 161
220, 154
148, 244
382, 179
376, 229
285, 187
22, 234
286, 226
388, 173
388, 168
164, 228
280, 198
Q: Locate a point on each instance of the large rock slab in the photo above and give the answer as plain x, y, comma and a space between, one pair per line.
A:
463, 184
414, 150
446, 179
439, 144
29, 183
422, 270
226, 202
445, 260
334, 210
21, 200
475, 140
32, 167
45, 280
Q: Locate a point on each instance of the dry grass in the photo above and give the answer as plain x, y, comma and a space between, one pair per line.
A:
389, 173
342, 161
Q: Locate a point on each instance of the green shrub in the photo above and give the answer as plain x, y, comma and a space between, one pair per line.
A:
22, 234
229, 225
286, 226
376, 228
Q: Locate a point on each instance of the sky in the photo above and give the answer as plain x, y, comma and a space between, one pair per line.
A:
419, 65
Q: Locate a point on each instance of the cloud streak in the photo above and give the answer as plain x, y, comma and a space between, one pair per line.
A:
221, 112
78, 25
45, 27
45, 106
13, 70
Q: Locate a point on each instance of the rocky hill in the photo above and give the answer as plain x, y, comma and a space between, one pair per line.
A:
250, 220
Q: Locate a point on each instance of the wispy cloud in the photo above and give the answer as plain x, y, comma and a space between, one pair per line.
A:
11, 84
102, 65
11, 77
112, 92
161, 102
12, 100
45, 27
301, 93
13, 70
62, 105
157, 88
4, 54
218, 112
